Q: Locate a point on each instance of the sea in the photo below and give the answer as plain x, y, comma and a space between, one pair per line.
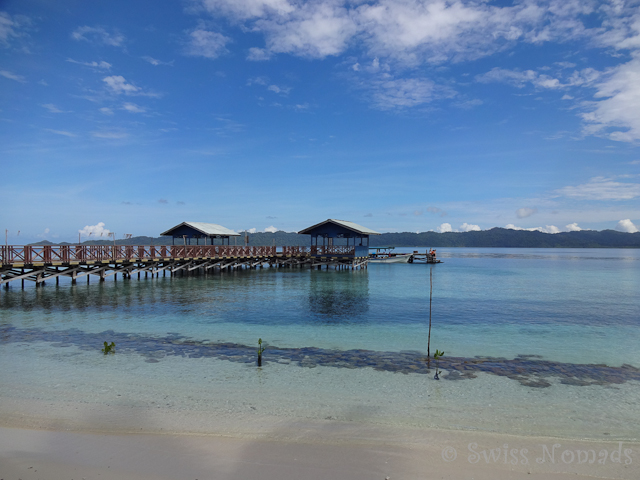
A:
535, 341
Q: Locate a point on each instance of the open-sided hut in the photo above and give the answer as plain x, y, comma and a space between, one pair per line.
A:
332, 236
209, 232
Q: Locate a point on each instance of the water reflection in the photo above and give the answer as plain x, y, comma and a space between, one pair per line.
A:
340, 297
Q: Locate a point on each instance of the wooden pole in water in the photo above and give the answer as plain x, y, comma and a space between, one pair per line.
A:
430, 301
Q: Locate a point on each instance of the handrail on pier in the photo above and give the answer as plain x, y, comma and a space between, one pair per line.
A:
48, 254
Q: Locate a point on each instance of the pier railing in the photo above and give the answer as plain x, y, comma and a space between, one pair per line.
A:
30, 254
319, 250
49, 254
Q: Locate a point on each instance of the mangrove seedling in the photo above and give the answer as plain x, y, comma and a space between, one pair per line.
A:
436, 357
260, 350
109, 348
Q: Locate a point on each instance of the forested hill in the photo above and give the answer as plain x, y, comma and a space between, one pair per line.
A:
506, 238
496, 237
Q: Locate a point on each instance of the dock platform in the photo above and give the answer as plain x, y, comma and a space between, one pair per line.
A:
42, 263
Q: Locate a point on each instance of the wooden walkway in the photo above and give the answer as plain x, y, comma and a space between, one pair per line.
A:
41, 263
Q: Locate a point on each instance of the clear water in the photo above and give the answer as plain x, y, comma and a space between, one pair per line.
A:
569, 306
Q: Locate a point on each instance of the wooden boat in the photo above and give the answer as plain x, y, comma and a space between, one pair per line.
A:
385, 255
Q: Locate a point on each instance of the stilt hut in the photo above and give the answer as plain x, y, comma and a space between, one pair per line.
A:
186, 232
339, 237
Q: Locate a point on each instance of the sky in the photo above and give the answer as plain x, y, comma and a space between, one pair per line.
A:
401, 115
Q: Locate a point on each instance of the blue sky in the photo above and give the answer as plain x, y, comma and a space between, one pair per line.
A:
401, 115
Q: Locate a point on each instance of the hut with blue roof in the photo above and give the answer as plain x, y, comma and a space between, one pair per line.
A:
208, 232
339, 237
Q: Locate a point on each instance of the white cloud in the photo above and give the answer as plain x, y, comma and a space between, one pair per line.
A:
94, 231
61, 132
467, 227
52, 108
546, 229
98, 35
258, 54
573, 227
519, 78
257, 81
407, 31
245, 9
252, 230
12, 76
526, 212
7, 30
12, 28
204, 43
314, 29
621, 27
585, 77
98, 65
106, 111
117, 84
411, 33
468, 104
133, 108
276, 89
616, 116
602, 188
445, 227
271, 229
391, 93
156, 62
626, 226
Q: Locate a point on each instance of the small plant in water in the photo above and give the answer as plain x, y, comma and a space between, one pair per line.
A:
436, 357
109, 348
260, 350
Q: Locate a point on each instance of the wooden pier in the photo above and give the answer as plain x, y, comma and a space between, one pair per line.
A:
42, 263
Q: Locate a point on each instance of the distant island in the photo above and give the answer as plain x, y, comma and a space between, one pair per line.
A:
494, 238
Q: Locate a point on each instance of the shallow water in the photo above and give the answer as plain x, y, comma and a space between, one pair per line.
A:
565, 307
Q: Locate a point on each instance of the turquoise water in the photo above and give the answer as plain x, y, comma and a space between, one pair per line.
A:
563, 306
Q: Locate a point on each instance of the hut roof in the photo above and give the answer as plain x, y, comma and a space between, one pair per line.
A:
209, 229
343, 223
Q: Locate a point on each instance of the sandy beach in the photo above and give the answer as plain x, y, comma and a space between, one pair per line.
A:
42, 454
116, 443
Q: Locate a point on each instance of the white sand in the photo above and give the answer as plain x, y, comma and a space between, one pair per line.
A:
41, 454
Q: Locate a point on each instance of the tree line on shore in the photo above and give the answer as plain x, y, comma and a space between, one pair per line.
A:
493, 238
